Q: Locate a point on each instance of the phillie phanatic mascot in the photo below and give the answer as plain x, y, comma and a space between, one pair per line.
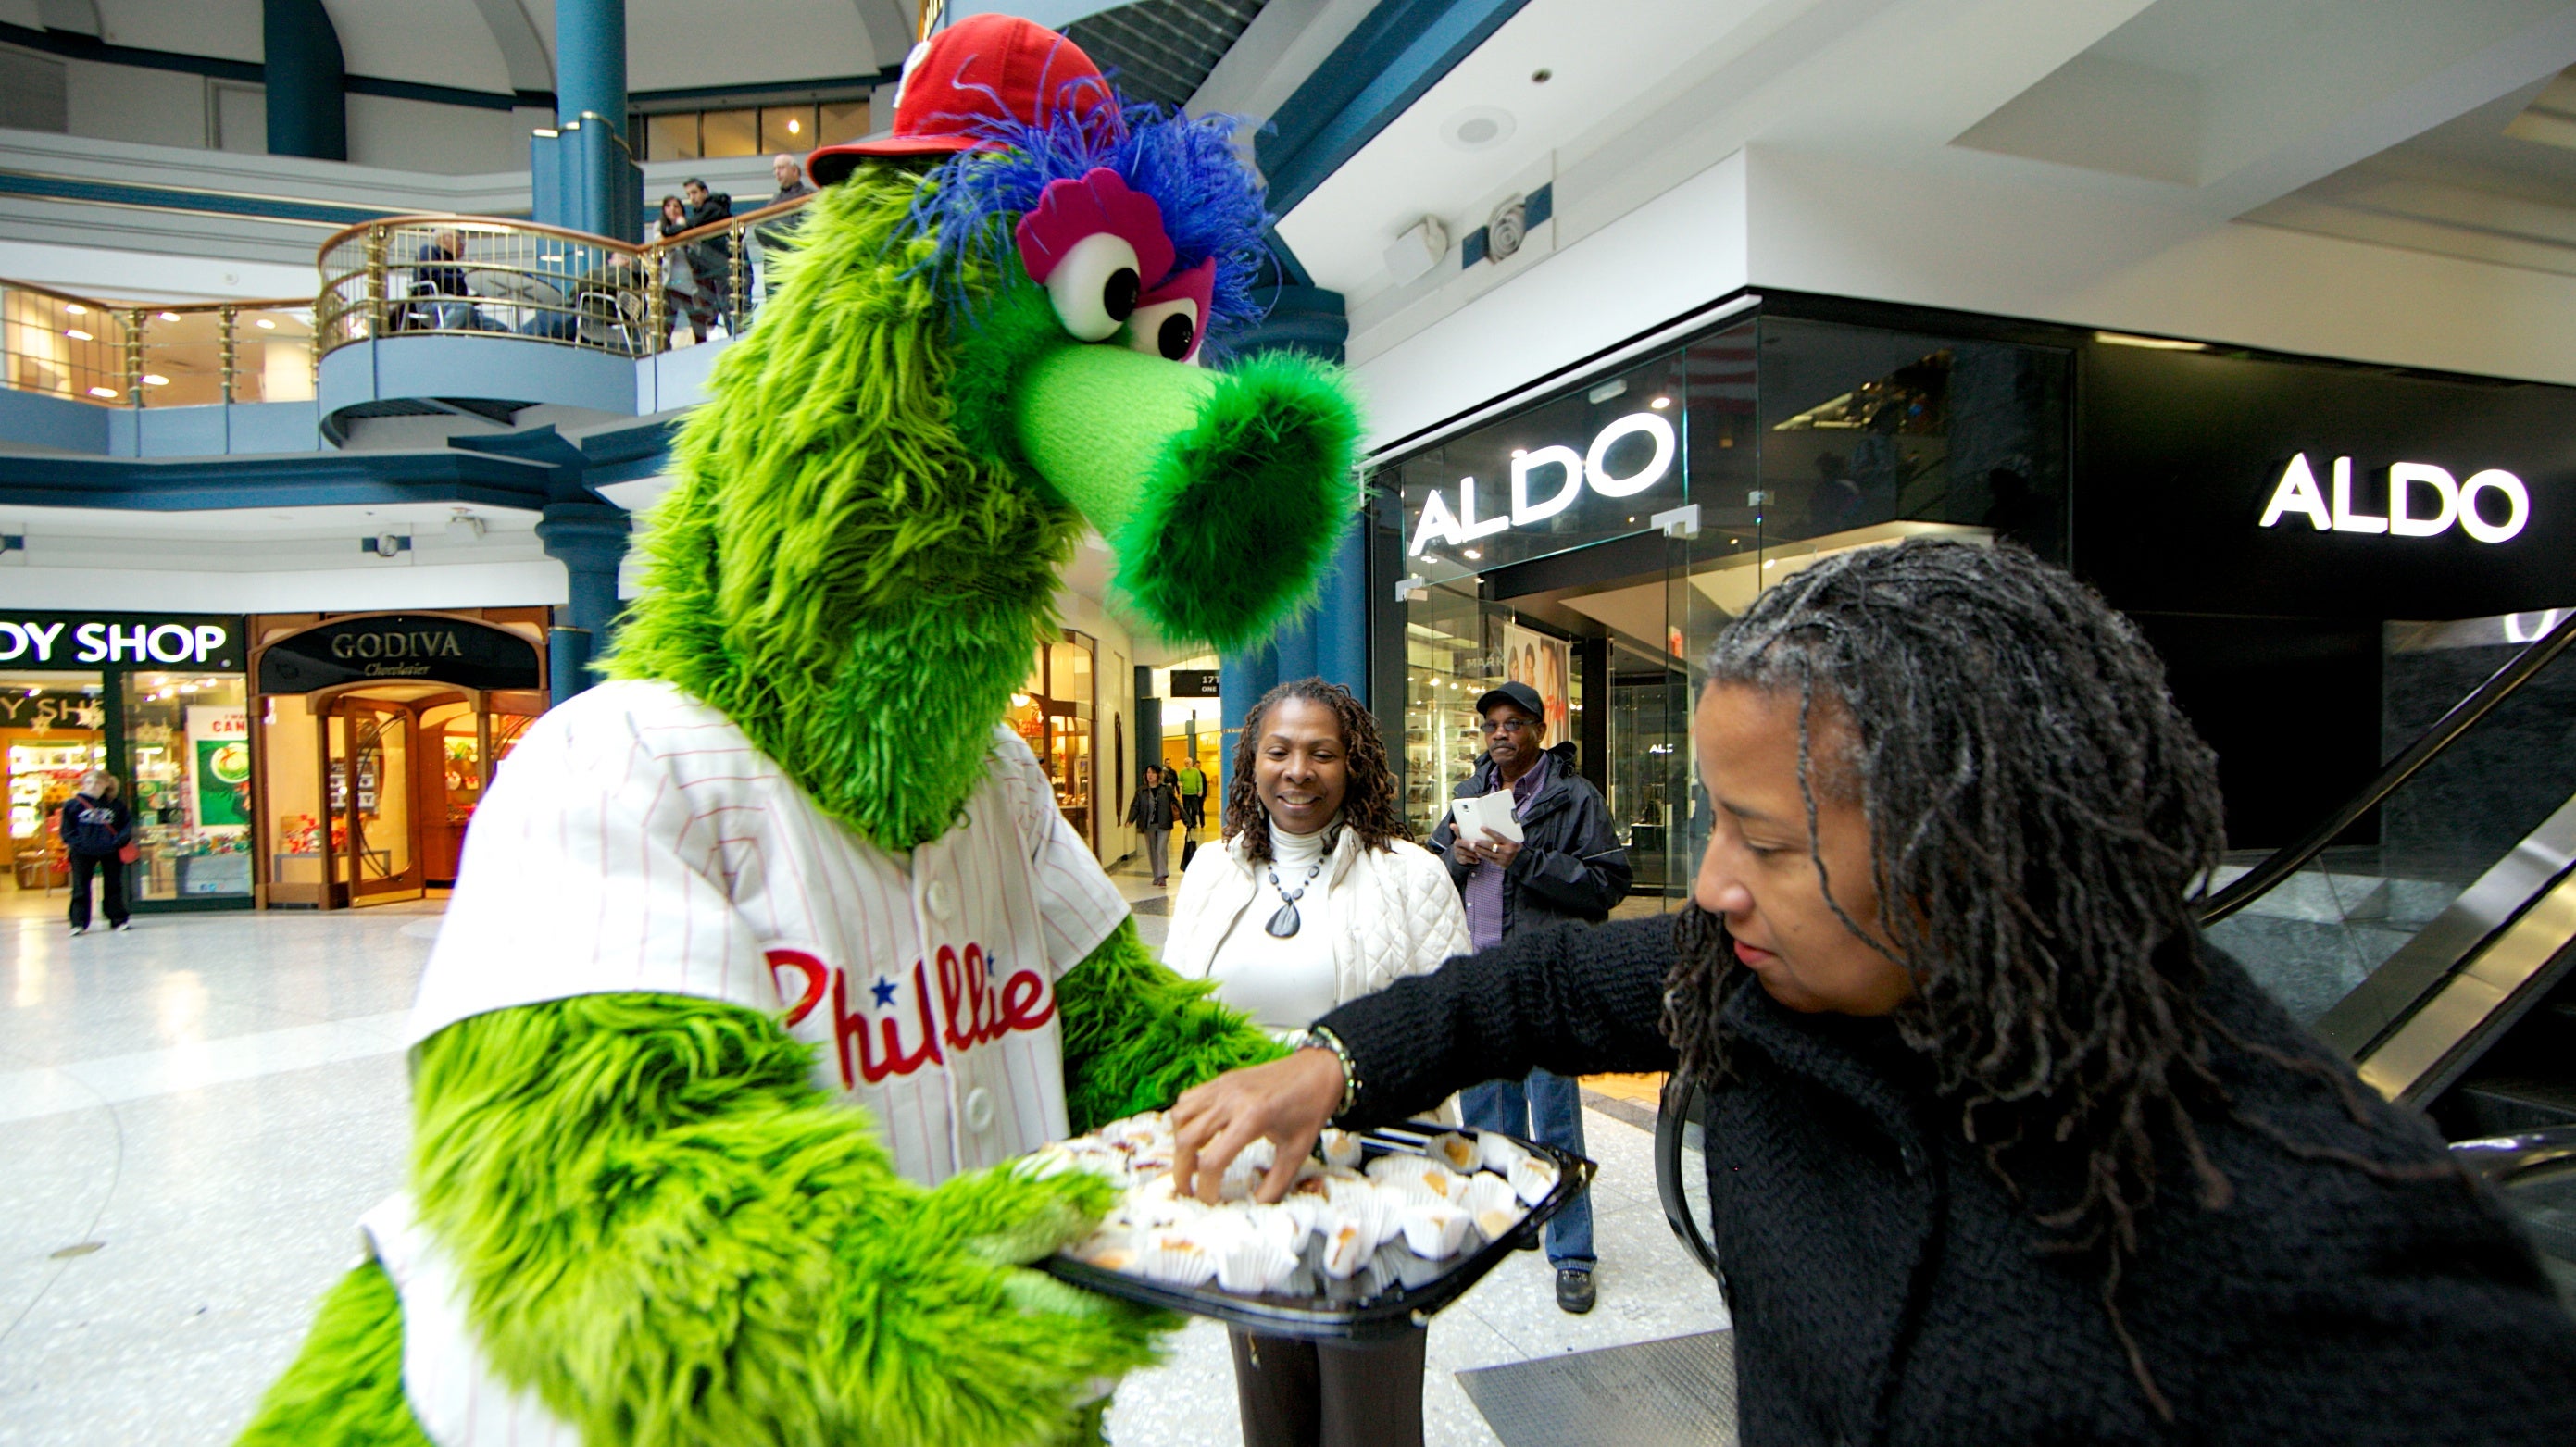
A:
770, 953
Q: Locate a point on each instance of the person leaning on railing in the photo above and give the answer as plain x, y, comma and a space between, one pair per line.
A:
1998, 1149
777, 234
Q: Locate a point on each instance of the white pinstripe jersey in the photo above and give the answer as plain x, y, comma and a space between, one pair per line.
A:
636, 840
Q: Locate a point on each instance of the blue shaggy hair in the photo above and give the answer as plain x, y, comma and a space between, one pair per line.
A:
1211, 201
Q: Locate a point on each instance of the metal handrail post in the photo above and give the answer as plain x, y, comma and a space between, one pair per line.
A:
134, 357
228, 347
739, 276
657, 304
375, 292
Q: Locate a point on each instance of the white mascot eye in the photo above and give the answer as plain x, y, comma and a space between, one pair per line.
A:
1166, 329
1094, 288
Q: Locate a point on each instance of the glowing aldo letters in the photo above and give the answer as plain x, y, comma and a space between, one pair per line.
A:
1546, 481
2423, 501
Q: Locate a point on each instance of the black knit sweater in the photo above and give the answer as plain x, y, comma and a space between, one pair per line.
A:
1885, 1284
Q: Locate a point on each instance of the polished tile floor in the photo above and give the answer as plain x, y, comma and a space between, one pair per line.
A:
194, 1114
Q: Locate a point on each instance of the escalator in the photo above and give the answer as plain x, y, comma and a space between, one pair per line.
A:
2426, 930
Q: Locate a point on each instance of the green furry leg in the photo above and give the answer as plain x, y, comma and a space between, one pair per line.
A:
345, 1389
1136, 1035
671, 1236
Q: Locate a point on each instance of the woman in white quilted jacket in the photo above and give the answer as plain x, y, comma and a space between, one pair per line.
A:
1319, 896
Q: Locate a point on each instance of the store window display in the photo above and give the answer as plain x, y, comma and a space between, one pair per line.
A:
1054, 711
54, 728
188, 743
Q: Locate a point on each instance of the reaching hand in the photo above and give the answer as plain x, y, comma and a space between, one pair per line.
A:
1286, 1101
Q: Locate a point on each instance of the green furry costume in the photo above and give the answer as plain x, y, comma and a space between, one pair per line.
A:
666, 1231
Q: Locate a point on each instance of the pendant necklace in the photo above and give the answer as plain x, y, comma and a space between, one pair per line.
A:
1285, 922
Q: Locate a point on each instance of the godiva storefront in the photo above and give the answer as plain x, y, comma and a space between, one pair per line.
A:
377, 735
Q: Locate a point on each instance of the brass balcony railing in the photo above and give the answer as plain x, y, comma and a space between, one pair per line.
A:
124, 354
465, 275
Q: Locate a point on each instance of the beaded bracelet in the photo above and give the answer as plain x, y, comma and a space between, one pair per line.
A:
1319, 1038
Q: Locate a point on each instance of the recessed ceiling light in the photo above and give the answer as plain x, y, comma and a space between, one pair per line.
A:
155, 379
76, 309
265, 324
1471, 552
795, 128
1478, 128
1660, 403
102, 391
169, 316
76, 334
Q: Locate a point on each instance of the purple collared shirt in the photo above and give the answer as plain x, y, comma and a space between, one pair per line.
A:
1484, 890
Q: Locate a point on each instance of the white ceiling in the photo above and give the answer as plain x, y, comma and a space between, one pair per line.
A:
671, 44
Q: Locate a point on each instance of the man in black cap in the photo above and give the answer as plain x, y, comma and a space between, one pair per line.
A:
1567, 865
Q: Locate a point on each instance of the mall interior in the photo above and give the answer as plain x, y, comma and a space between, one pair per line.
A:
345, 346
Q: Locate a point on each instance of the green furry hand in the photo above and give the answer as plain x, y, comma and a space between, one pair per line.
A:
671, 1236
1136, 1035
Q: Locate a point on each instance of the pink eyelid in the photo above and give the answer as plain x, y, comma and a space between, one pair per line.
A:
1198, 284
1077, 207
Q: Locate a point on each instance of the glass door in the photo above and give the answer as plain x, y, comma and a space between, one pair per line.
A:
375, 814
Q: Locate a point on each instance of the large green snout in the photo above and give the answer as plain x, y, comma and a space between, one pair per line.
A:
1223, 493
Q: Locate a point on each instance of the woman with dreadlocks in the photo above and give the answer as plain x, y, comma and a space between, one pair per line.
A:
1999, 1150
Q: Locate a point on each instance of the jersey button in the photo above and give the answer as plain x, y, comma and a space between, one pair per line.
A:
941, 898
979, 1110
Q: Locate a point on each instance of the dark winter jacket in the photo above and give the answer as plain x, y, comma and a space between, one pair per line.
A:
95, 827
712, 257
1158, 807
1886, 1289
1571, 866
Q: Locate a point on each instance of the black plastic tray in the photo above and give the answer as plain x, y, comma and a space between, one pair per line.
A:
1393, 1310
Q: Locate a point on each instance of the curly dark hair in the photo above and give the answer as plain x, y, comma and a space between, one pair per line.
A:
1370, 805
2040, 815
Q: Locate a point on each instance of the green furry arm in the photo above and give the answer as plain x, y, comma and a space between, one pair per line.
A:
671, 1236
1136, 1035
345, 1388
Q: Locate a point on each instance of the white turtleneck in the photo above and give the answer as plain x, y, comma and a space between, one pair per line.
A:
1283, 984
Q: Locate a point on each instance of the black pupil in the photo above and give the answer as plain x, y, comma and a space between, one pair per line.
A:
1119, 293
1174, 338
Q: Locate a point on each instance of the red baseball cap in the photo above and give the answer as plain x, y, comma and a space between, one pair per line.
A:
982, 69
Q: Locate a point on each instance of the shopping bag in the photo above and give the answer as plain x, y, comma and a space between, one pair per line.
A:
128, 853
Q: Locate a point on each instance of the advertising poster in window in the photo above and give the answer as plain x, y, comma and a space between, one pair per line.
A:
219, 749
1542, 663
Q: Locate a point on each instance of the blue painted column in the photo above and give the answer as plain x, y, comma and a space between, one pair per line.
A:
1331, 638
301, 66
584, 175
589, 539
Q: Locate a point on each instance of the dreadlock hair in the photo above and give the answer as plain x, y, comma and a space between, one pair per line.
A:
1369, 805
2040, 813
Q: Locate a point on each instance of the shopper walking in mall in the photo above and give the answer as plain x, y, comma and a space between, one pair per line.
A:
1999, 1149
1319, 896
1566, 866
1155, 810
97, 828
1191, 780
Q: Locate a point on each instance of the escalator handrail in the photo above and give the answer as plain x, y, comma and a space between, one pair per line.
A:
2292, 857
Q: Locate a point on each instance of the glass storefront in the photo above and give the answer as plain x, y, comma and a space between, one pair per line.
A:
156, 700
1055, 712
1593, 543
379, 734
188, 743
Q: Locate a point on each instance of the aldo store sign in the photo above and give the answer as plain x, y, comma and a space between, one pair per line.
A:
2235, 486
1627, 458
93, 641
417, 647
2419, 500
